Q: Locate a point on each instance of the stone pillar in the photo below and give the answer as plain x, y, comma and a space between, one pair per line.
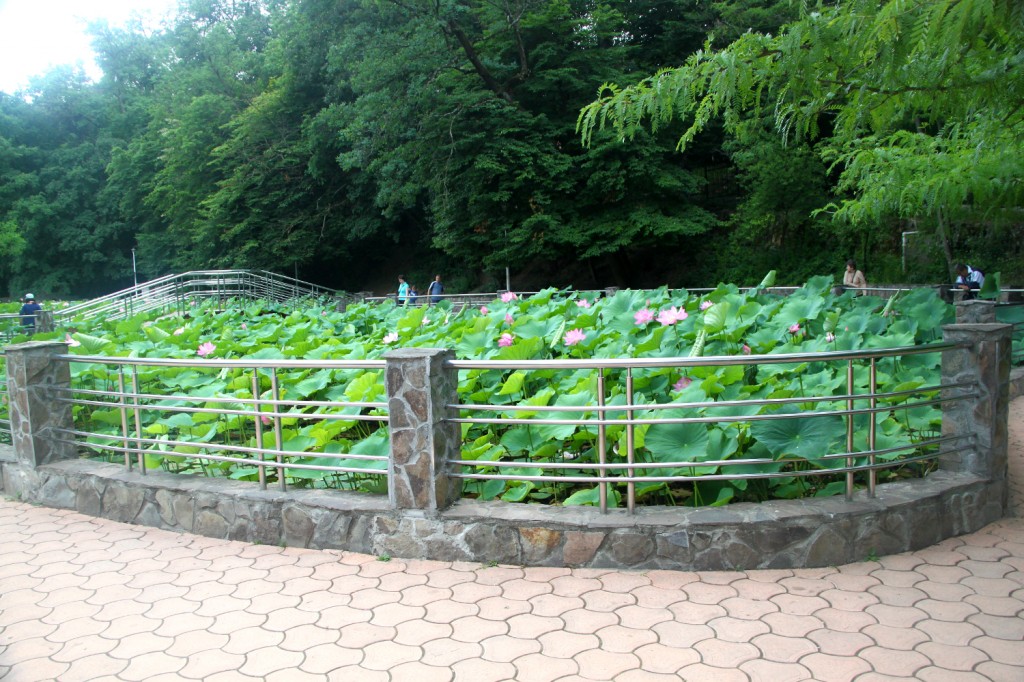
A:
34, 380
44, 321
975, 312
985, 364
418, 387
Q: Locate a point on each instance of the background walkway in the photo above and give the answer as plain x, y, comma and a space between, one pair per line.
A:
91, 599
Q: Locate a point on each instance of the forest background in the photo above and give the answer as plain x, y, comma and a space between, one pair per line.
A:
345, 141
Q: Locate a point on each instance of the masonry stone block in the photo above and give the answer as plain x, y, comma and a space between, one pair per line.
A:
37, 412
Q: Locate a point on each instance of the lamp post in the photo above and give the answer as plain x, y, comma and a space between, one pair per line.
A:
135, 273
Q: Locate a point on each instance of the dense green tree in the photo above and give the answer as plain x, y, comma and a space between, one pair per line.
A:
915, 104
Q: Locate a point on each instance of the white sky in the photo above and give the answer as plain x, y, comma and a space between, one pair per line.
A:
38, 34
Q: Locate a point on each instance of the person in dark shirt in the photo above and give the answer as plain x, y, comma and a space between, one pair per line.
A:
28, 313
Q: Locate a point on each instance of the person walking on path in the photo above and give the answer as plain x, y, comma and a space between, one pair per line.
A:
435, 289
28, 313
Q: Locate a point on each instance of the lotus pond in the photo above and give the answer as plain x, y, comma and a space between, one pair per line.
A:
552, 324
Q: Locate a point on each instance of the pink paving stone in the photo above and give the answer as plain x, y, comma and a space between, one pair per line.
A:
682, 635
986, 569
999, 672
748, 609
471, 593
984, 553
620, 639
722, 654
840, 643
524, 589
721, 577
943, 632
932, 674
604, 665
607, 601
476, 629
394, 614
996, 606
641, 617
749, 588
123, 626
700, 672
283, 620
371, 598
448, 611
117, 608
624, 582
567, 644
241, 574
41, 669
421, 595
705, 593
657, 597
269, 603
799, 605
805, 587
827, 668
545, 574
901, 562
896, 596
697, 614
539, 668
91, 668
789, 625
396, 582
671, 580
320, 601
530, 626
249, 639
359, 635
906, 616
446, 652
505, 649
447, 577
352, 672
150, 665
553, 605
497, 575
891, 662
215, 606
228, 623
1000, 650
304, 636
586, 622
574, 586
386, 655
290, 675
420, 631
904, 639
999, 626
783, 649
332, 571
844, 621
83, 647
170, 607
775, 671
943, 610
731, 629
69, 612
261, 662
159, 592
480, 670
336, 617
301, 586
944, 591
420, 672
497, 608
197, 577
992, 587
659, 658
953, 657
268, 562
190, 643
138, 644
37, 628
377, 569
66, 595
324, 658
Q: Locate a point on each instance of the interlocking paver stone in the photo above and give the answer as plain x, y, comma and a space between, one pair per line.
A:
90, 599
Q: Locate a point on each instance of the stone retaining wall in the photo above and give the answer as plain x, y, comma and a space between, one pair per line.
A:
785, 534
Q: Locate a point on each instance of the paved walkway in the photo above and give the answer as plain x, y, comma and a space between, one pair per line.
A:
89, 599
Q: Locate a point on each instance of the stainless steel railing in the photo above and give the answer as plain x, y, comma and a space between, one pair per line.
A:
130, 394
624, 465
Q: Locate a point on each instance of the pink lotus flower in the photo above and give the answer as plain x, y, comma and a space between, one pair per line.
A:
265, 419
830, 337
68, 339
505, 340
671, 316
323, 313
179, 331
583, 303
683, 382
643, 316
508, 297
508, 318
205, 349
574, 336
390, 338
484, 310
425, 322
746, 349
244, 325
794, 328
705, 305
